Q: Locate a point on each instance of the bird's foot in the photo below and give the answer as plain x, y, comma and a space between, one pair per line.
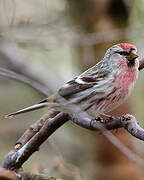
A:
103, 118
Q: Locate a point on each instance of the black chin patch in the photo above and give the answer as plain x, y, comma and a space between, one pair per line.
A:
131, 63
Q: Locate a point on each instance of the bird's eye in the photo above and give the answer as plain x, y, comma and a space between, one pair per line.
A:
124, 53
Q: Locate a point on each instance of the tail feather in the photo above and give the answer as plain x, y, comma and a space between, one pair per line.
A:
27, 109
50, 102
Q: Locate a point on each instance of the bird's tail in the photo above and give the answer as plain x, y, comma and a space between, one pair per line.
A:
44, 103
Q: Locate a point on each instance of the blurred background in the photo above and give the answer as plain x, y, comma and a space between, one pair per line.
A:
51, 41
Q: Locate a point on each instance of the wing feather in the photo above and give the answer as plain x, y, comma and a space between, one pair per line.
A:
95, 81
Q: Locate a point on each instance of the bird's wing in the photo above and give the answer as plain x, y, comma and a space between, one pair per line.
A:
73, 87
96, 77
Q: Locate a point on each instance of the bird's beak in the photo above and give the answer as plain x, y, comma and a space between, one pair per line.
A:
133, 55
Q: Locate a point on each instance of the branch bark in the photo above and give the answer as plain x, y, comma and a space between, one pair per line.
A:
17, 157
34, 128
127, 121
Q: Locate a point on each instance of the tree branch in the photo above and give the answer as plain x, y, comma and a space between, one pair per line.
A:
17, 157
127, 121
34, 128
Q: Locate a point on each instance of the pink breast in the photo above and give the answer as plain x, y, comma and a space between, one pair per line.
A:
127, 78
124, 86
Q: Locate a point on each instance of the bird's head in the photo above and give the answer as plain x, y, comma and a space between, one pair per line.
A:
124, 54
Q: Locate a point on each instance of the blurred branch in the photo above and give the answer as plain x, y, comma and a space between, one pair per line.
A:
21, 78
15, 59
141, 64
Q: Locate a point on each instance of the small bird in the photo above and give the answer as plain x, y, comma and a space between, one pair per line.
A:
101, 88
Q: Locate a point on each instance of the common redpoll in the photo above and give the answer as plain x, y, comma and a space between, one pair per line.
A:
101, 88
